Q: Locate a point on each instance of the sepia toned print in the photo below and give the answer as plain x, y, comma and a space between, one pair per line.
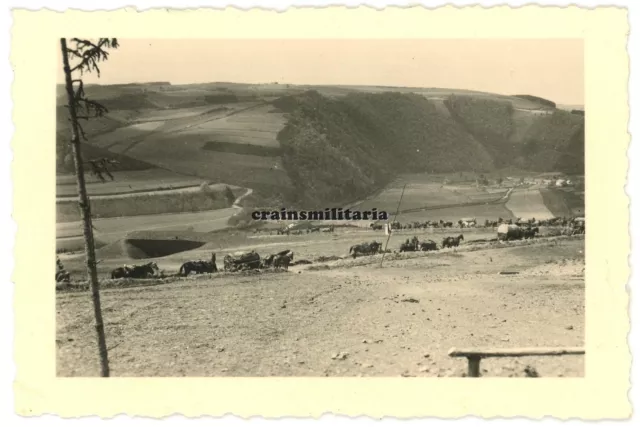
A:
324, 208
481, 200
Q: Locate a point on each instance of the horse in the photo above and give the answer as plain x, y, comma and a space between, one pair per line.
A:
451, 242
120, 272
269, 261
429, 245
359, 249
375, 247
283, 260
187, 267
407, 247
143, 271
365, 249
199, 267
530, 233
579, 229
63, 276
135, 271
410, 245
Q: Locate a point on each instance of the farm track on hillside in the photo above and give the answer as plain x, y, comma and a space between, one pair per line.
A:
178, 189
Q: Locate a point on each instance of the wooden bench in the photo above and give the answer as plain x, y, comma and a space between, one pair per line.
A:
475, 355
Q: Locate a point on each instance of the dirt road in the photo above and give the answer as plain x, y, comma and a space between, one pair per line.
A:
341, 320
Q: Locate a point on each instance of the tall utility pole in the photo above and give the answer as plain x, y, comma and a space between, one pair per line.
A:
394, 220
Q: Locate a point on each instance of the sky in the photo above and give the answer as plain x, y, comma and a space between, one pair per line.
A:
548, 68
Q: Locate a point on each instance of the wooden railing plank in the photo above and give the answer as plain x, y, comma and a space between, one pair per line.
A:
474, 356
515, 352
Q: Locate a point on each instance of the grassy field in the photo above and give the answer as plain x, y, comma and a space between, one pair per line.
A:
126, 182
426, 198
173, 113
257, 126
111, 230
427, 191
186, 155
174, 120
124, 136
563, 202
397, 320
243, 134
193, 199
528, 204
179, 143
415, 196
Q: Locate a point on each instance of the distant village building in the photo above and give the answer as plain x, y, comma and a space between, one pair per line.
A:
561, 183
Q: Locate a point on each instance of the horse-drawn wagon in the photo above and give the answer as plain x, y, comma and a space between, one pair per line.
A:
242, 261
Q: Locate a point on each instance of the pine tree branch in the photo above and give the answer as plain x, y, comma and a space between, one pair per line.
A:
92, 53
82, 133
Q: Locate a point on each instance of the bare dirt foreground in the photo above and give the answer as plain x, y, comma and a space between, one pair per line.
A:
342, 318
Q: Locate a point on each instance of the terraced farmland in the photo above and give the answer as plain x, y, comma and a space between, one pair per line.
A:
180, 143
180, 136
174, 113
185, 154
127, 182
256, 126
422, 192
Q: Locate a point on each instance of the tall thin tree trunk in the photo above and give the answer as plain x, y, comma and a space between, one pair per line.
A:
85, 212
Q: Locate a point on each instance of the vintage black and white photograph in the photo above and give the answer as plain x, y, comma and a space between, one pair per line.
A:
320, 208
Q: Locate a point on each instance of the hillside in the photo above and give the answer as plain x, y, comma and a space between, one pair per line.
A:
488, 121
339, 150
555, 142
313, 145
